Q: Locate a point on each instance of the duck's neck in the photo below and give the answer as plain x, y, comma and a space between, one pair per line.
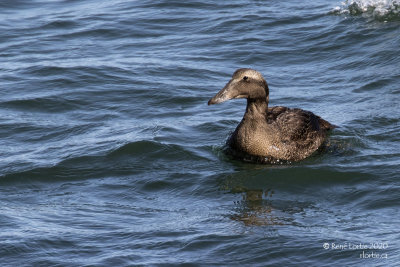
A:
256, 108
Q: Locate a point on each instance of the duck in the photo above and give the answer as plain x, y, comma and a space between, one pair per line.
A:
270, 134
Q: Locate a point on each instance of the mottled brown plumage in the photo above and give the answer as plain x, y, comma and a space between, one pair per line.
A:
275, 133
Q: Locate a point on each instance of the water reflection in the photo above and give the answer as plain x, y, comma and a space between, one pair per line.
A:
256, 208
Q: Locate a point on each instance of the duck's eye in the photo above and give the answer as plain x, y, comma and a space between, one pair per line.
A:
245, 78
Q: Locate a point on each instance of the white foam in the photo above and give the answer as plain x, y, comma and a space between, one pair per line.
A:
379, 9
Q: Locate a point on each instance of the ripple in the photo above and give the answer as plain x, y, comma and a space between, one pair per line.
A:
49, 104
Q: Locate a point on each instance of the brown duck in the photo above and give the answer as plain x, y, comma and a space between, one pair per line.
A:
270, 133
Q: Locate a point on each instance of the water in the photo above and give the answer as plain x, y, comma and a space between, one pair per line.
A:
109, 154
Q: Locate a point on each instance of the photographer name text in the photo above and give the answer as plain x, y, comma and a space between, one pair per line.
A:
356, 246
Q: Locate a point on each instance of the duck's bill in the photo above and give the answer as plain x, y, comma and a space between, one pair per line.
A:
220, 97
226, 93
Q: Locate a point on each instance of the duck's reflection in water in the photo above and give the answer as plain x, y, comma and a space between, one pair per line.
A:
255, 208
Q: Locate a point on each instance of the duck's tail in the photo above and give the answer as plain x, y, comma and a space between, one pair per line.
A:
326, 125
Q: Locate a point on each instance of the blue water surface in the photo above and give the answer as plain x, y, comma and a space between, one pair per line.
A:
109, 154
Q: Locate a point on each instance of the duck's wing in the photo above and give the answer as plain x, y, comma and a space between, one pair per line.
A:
297, 125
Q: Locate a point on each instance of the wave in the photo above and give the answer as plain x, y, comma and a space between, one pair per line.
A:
135, 157
382, 10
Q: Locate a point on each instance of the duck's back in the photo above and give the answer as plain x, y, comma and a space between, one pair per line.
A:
295, 116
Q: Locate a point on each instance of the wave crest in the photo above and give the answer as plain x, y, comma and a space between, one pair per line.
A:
383, 10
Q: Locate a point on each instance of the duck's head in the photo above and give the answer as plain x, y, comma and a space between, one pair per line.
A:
245, 83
